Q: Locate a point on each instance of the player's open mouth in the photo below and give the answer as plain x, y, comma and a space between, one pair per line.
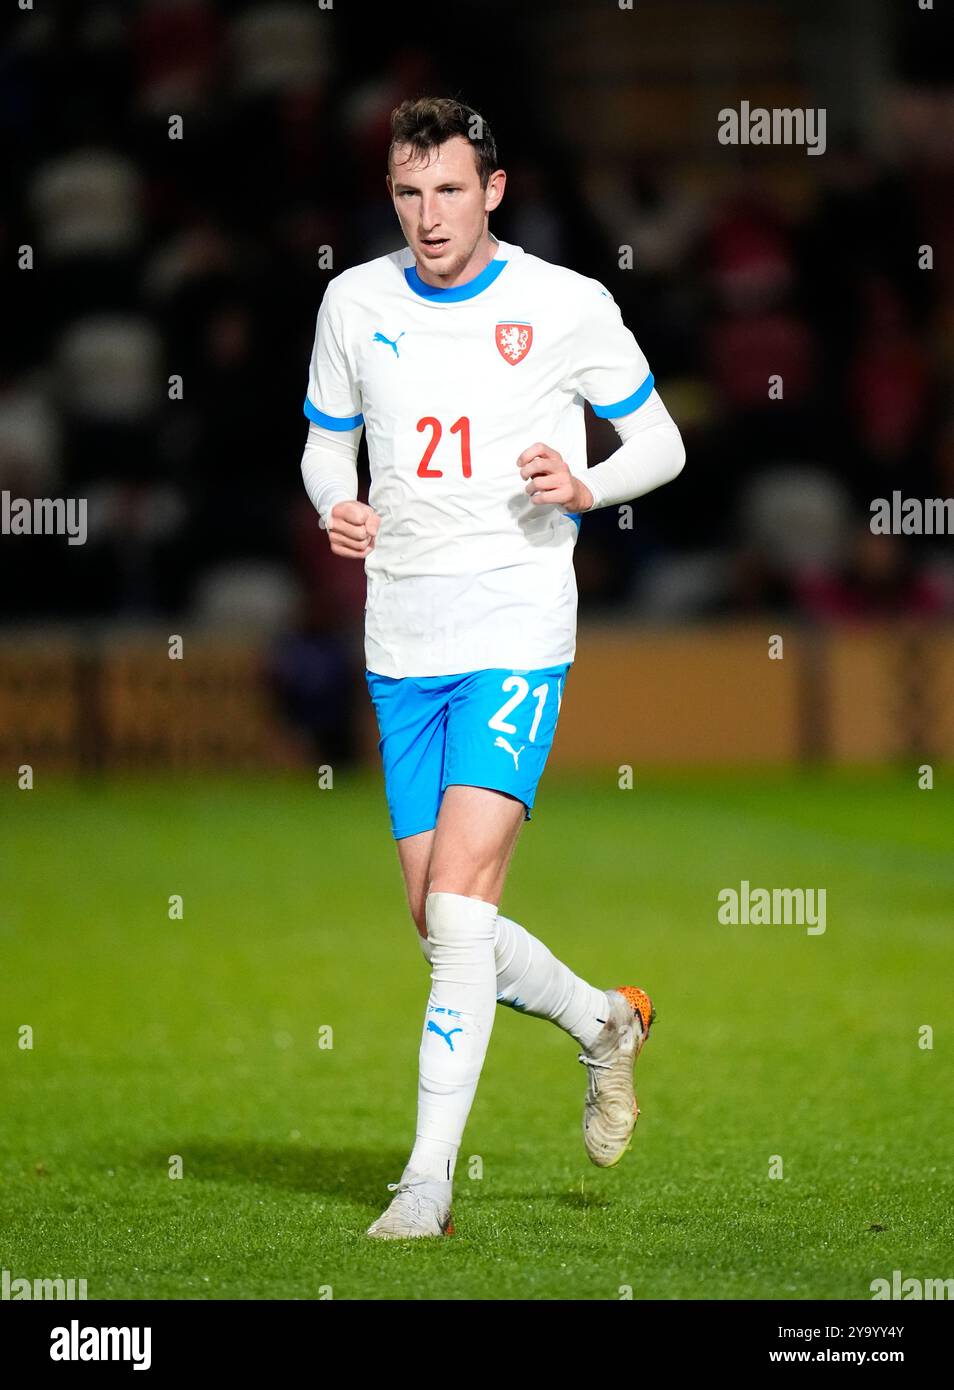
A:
435, 244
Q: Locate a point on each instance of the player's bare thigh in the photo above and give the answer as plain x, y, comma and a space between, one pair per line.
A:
469, 852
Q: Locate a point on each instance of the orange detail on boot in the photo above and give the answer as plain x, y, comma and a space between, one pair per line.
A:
640, 1003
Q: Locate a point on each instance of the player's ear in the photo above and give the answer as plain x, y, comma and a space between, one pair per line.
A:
495, 190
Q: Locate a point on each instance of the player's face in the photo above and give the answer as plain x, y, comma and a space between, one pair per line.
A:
441, 205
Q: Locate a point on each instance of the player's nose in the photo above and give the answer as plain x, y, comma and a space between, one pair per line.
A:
430, 217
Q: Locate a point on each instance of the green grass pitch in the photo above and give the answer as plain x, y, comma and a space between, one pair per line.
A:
200, 1038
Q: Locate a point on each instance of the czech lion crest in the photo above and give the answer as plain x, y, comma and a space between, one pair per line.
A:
513, 341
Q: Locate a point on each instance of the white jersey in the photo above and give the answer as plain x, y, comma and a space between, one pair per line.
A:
452, 385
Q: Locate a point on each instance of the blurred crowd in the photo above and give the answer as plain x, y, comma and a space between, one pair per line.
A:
194, 261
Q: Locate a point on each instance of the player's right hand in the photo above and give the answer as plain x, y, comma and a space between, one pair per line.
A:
352, 527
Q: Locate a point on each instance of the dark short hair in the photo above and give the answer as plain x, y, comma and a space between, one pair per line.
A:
427, 122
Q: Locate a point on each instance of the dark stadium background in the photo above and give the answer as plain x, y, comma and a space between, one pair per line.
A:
199, 257
197, 878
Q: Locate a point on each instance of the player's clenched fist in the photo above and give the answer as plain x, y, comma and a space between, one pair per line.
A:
550, 479
352, 527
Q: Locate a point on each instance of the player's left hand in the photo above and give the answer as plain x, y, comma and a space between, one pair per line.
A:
550, 479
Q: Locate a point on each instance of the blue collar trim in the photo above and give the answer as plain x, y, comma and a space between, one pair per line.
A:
457, 292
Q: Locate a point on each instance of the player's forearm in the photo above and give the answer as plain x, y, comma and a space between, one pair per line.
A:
329, 467
652, 453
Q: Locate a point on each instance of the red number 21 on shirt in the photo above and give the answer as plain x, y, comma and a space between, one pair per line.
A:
461, 427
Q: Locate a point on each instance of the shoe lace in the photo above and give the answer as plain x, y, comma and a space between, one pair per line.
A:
422, 1201
591, 1063
408, 1183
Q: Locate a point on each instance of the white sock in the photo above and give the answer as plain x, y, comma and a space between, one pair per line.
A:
457, 1026
531, 980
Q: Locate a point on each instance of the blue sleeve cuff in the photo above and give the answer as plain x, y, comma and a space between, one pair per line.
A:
332, 422
641, 394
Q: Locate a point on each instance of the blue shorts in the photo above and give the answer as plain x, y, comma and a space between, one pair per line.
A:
490, 728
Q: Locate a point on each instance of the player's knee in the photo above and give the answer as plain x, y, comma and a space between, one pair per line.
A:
441, 925
462, 881
453, 918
